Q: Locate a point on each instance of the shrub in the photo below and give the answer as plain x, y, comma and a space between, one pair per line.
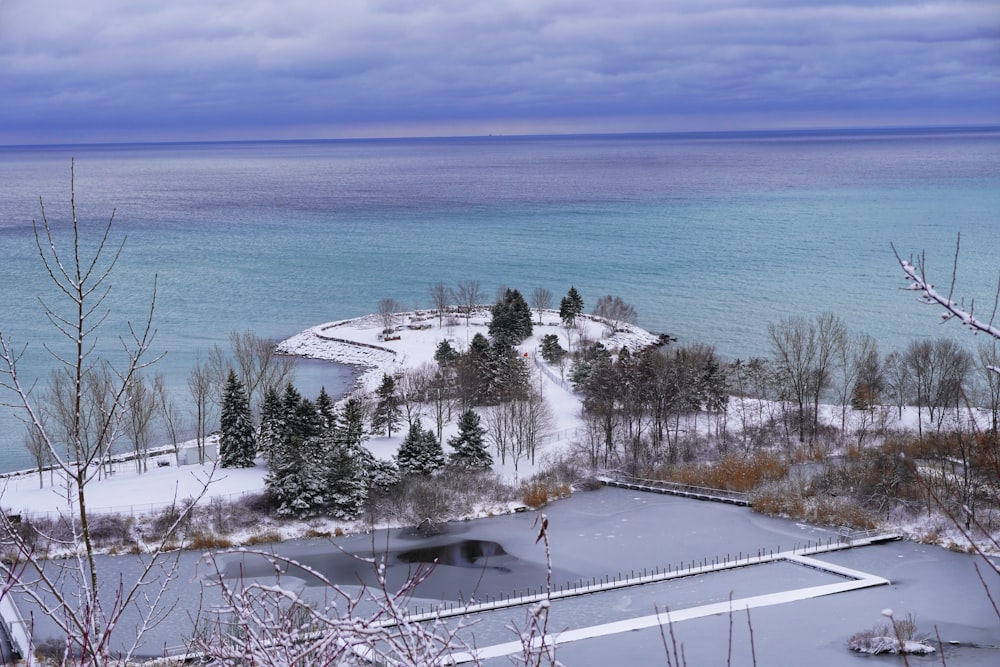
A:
733, 471
535, 495
201, 541
263, 536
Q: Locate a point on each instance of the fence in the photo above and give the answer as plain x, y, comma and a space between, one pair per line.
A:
677, 489
656, 574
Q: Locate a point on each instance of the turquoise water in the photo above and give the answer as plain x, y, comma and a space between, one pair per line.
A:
710, 237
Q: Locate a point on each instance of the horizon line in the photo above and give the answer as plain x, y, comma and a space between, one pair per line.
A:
678, 134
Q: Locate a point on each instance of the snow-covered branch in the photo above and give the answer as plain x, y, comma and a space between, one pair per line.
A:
918, 283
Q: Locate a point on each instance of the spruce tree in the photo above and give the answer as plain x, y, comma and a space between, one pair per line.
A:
298, 463
387, 414
511, 321
326, 411
552, 351
420, 453
272, 422
237, 447
470, 445
347, 464
570, 307
445, 354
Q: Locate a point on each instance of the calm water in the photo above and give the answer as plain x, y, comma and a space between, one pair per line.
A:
710, 237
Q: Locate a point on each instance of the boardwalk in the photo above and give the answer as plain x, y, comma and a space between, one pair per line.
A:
675, 489
852, 580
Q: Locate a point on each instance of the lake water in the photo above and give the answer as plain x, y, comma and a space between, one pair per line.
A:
710, 237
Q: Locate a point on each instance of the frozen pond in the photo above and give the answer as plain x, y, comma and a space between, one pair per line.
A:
614, 531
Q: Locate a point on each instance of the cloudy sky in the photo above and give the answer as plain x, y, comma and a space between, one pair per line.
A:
124, 70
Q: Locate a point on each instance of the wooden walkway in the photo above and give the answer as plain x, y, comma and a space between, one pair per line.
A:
675, 489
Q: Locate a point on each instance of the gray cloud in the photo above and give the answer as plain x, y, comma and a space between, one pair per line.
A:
210, 67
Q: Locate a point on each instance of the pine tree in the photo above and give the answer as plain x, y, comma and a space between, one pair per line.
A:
237, 447
420, 453
299, 459
445, 354
511, 321
325, 410
509, 376
387, 414
272, 423
470, 444
552, 351
347, 464
570, 307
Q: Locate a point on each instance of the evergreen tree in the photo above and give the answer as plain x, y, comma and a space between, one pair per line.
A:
570, 307
445, 354
272, 422
552, 351
299, 460
509, 377
474, 372
470, 444
348, 463
346, 482
511, 321
325, 410
237, 447
387, 414
420, 453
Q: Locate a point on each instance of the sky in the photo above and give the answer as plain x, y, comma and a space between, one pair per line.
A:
138, 70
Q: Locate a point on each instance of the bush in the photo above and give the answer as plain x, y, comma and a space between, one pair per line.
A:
734, 472
202, 541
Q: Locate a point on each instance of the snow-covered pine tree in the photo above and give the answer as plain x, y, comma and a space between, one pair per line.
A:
420, 453
297, 467
470, 444
511, 318
237, 447
387, 414
346, 464
570, 307
326, 411
552, 351
272, 423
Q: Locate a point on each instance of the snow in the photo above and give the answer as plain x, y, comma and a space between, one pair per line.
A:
356, 342
353, 342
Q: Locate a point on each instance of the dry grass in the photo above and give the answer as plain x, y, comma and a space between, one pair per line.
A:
263, 536
199, 540
734, 472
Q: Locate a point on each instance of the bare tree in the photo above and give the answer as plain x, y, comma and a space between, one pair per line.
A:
412, 390
468, 294
989, 358
541, 300
202, 387
71, 595
440, 300
805, 356
141, 403
614, 312
387, 309
988, 454
260, 365
34, 442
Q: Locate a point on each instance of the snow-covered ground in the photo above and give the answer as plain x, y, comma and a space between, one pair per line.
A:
357, 342
353, 342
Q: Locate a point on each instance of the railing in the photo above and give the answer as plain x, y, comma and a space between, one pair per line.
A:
848, 535
636, 577
675, 488
17, 628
